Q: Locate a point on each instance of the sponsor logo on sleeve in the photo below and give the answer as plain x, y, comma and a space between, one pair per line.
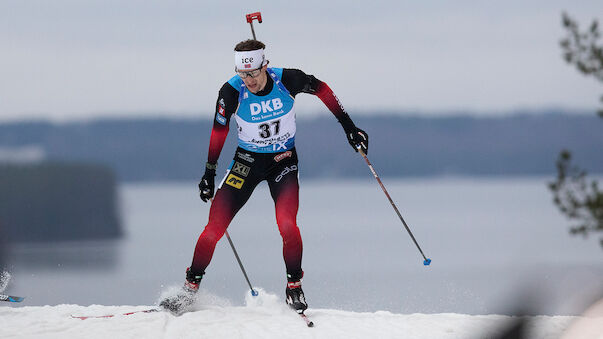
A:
235, 181
283, 156
241, 169
220, 119
339, 102
221, 107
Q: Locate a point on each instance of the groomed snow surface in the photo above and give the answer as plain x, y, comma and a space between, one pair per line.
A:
266, 316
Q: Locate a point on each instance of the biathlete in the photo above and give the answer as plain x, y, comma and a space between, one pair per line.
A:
261, 100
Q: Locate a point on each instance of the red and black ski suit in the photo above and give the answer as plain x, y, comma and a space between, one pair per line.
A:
249, 168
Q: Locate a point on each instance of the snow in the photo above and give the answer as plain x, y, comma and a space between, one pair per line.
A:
4, 279
266, 316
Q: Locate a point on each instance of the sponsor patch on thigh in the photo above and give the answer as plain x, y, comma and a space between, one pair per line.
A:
245, 156
235, 181
286, 171
240, 169
283, 156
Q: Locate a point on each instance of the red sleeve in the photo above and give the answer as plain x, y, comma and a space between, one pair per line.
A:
326, 95
226, 105
296, 81
216, 141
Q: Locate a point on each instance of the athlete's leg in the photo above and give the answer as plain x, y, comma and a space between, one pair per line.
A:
284, 188
230, 197
232, 194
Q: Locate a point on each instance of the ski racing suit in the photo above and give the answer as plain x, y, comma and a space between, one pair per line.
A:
266, 151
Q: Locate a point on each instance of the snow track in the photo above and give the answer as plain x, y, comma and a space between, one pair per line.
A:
258, 322
263, 317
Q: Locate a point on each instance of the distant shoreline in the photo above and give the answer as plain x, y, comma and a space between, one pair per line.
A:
526, 143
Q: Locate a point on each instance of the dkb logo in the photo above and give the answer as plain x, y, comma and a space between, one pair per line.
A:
264, 106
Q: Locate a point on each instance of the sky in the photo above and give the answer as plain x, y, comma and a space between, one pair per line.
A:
70, 60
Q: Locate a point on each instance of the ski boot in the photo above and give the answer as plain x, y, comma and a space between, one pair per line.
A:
295, 296
179, 303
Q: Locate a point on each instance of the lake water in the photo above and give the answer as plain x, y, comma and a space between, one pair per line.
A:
497, 245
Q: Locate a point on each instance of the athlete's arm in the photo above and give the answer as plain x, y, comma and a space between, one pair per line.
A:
297, 81
226, 105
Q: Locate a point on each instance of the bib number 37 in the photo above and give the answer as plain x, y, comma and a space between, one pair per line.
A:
266, 131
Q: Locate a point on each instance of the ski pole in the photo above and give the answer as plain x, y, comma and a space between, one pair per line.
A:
253, 292
427, 261
250, 17
234, 250
253, 16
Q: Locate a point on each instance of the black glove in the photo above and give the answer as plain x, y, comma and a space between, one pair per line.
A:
357, 137
206, 185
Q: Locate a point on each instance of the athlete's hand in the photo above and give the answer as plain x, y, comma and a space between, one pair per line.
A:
206, 185
358, 138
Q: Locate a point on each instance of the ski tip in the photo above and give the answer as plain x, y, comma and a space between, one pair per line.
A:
17, 299
78, 317
427, 262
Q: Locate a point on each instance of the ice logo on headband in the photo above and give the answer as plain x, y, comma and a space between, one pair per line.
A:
249, 59
247, 62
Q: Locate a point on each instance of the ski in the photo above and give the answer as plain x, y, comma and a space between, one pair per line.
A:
10, 298
151, 310
309, 322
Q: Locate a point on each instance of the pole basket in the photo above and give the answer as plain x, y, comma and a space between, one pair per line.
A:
253, 16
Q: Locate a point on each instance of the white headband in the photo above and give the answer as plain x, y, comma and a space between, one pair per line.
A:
248, 60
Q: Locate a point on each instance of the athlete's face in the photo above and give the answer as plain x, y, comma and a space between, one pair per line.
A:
257, 83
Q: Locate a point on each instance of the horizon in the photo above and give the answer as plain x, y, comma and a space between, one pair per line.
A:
304, 116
